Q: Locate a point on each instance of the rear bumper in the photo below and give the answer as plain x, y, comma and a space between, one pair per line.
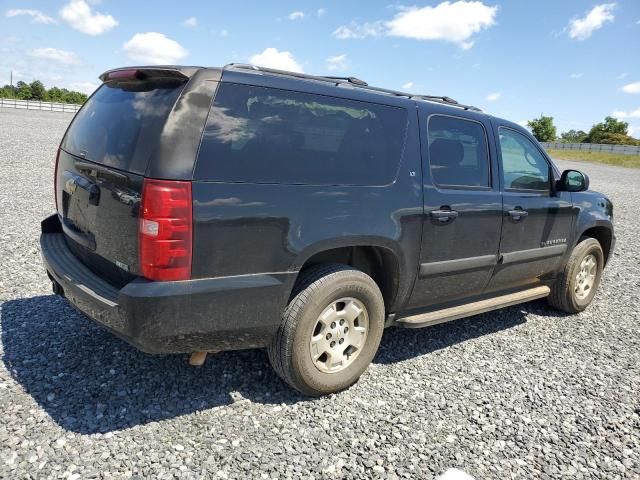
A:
224, 313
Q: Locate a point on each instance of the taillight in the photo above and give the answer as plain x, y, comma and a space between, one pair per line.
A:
55, 179
165, 231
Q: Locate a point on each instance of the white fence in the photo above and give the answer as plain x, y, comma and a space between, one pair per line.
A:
38, 105
594, 147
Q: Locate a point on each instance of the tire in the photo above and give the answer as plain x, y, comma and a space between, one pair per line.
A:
330, 290
567, 294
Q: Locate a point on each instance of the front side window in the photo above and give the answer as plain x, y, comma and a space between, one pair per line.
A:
458, 152
264, 135
523, 166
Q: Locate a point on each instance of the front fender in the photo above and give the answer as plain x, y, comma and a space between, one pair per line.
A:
594, 210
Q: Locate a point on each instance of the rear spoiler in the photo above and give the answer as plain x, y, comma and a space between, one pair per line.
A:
143, 73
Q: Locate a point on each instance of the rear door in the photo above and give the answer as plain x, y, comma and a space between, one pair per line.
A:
101, 165
537, 220
462, 209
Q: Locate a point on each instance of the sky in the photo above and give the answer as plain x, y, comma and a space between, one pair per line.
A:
577, 61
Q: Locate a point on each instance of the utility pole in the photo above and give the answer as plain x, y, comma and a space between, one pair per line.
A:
11, 81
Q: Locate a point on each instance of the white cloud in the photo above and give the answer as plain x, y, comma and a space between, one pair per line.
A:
622, 114
622, 76
36, 15
337, 62
355, 30
633, 130
154, 48
523, 123
631, 88
576, 75
224, 33
273, 58
60, 56
78, 14
492, 97
582, 28
84, 87
321, 12
190, 22
296, 15
452, 22
407, 86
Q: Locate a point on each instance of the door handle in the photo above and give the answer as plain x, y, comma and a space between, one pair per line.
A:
444, 215
518, 214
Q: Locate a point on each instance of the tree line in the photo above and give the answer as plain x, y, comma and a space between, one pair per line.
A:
610, 131
37, 91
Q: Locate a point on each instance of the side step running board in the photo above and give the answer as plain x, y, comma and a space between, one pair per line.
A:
461, 311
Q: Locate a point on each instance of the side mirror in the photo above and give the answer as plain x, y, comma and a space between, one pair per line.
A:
573, 181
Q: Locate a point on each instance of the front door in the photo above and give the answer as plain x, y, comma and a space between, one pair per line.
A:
462, 210
537, 221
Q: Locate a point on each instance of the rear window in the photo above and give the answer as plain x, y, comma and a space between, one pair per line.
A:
263, 135
120, 125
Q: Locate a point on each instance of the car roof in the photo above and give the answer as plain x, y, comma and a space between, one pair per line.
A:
341, 82
350, 87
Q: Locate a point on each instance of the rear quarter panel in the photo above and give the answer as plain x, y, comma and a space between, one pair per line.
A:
247, 228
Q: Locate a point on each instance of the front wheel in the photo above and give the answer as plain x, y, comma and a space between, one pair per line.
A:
575, 288
330, 330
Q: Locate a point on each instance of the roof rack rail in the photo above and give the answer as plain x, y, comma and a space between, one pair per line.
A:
335, 80
429, 98
355, 82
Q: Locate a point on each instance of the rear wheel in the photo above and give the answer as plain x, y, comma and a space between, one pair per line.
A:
330, 330
576, 287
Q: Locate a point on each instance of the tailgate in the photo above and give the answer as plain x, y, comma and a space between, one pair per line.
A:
98, 209
101, 167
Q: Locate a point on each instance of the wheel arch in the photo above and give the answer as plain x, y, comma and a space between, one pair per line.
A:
603, 234
380, 262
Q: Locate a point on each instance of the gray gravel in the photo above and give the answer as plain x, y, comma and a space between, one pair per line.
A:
520, 393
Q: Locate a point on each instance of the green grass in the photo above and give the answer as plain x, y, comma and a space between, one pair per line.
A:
631, 161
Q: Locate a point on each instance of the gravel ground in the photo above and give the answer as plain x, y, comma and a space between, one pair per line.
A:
519, 393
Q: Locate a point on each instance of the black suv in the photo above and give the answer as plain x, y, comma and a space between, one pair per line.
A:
208, 209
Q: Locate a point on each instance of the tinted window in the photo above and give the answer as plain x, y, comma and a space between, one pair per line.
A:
120, 126
523, 166
257, 134
458, 152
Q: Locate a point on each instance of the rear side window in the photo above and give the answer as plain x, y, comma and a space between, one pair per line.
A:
458, 153
120, 125
263, 135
